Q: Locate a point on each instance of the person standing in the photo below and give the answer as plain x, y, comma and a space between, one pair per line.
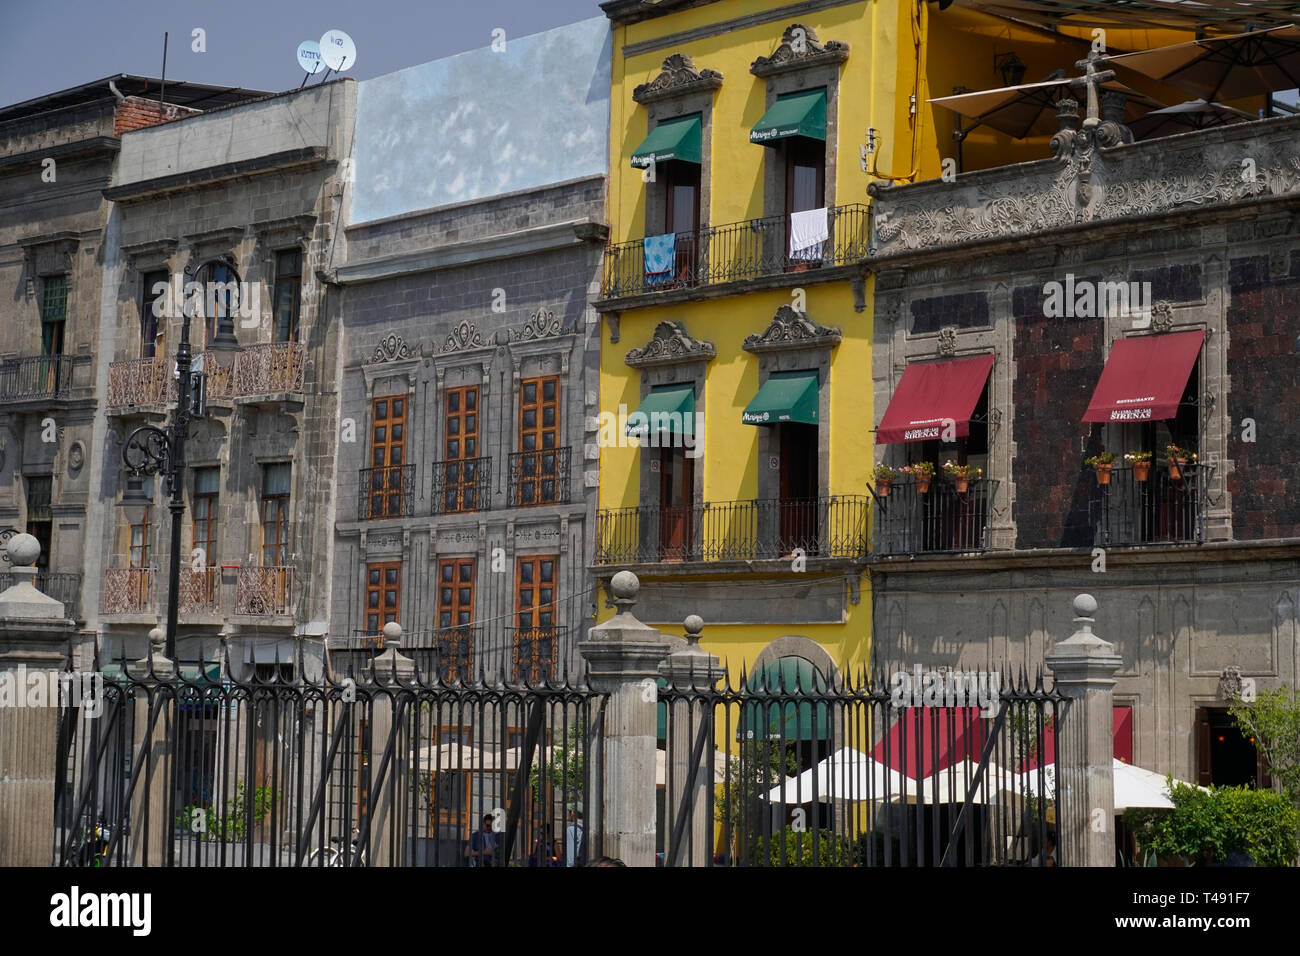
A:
482, 847
573, 836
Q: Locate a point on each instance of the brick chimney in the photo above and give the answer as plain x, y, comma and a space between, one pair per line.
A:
136, 112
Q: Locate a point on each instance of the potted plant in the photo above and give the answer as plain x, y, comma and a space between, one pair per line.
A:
1176, 458
1141, 462
885, 478
922, 472
1102, 463
961, 475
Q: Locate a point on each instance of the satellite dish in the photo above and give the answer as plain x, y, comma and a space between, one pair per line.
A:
338, 51
309, 57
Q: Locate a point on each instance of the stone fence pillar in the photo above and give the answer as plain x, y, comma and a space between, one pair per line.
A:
390, 668
690, 668
623, 656
152, 753
1083, 667
35, 639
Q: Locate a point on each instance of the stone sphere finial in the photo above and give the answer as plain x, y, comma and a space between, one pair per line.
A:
1085, 606
623, 588
392, 633
23, 550
157, 639
694, 624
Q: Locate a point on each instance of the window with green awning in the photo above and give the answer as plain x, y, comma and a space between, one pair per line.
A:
680, 139
668, 408
795, 721
799, 114
784, 397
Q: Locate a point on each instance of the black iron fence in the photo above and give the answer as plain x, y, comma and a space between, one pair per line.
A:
794, 773
834, 527
467, 652
539, 477
1154, 505
386, 492
37, 377
947, 516
338, 773
462, 485
737, 250
62, 586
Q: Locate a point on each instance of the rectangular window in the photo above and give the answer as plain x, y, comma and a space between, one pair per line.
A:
219, 296
54, 313
139, 538
455, 617
460, 470
39, 517
153, 327
387, 456
275, 515
383, 594
207, 491
288, 294
682, 216
676, 504
539, 433
534, 643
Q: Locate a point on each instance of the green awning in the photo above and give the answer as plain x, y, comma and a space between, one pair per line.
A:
799, 114
784, 397
191, 674
668, 408
785, 678
661, 713
678, 139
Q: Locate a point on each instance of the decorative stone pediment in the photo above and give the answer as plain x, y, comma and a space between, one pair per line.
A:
792, 330
153, 251
394, 348
464, 337
679, 76
671, 345
49, 254
1230, 683
541, 324
799, 50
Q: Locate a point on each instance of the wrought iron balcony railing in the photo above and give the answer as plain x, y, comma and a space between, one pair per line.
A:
386, 492
33, 378
737, 250
1158, 509
535, 652
539, 477
834, 527
200, 590
462, 485
62, 586
941, 519
463, 653
270, 368
139, 382
264, 591
128, 590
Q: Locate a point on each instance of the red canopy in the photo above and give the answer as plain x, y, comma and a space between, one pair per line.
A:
1121, 740
943, 736
1144, 378
931, 393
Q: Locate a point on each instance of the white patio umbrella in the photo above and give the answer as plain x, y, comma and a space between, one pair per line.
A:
1134, 786
457, 756
661, 768
950, 785
847, 775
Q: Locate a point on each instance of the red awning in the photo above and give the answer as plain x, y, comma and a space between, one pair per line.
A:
1121, 740
1144, 378
932, 393
926, 740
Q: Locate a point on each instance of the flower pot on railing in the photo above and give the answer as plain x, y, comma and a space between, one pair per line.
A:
922, 485
1176, 468
883, 485
1103, 474
1141, 470
961, 484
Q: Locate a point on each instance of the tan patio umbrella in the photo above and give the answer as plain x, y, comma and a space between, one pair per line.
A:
1194, 114
1224, 68
456, 756
1030, 109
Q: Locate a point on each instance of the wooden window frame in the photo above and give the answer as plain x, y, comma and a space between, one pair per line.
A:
530, 488
460, 492
292, 280
382, 607
534, 610
153, 328
280, 500
387, 497
452, 670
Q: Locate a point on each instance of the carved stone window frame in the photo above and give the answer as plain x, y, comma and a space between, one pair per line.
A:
787, 71
273, 236
392, 358
672, 357
793, 342
157, 255
45, 257
680, 89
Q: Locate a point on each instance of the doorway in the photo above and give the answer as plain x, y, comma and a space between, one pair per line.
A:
676, 494
797, 504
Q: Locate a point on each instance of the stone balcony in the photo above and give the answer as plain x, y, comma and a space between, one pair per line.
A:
1087, 184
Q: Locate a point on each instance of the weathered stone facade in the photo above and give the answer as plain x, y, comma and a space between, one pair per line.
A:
967, 264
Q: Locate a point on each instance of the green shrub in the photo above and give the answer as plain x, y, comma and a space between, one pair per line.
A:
796, 848
232, 826
1206, 827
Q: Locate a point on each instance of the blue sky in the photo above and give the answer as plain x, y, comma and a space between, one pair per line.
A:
50, 45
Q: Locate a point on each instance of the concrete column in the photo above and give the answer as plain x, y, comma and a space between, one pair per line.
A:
391, 668
152, 752
1083, 667
622, 656
690, 668
34, 645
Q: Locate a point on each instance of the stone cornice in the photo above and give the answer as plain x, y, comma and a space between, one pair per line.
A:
800, 50
671, 345
678, 77
308, 156
792, 330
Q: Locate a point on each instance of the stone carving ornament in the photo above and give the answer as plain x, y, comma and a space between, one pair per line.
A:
1230, 684
542, 324
1162, 316
799, 49
678, 76
670, 345
393, 348
947, 340
464, 336
791, 329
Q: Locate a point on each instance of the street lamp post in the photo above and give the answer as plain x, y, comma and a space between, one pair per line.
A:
161, 451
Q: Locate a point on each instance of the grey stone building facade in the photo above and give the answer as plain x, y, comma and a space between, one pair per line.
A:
466, 481
255, 192
57, 155
1197, 574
